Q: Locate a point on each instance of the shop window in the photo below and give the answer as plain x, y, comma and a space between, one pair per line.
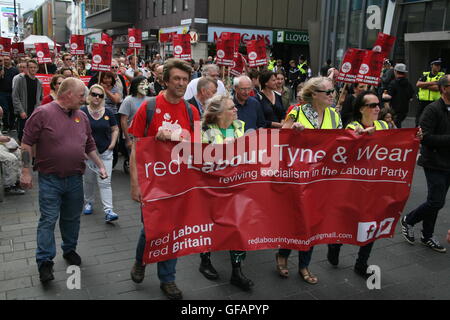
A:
434, 16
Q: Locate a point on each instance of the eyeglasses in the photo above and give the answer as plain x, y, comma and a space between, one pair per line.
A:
372, 105
97, 95
115, 67
328, 92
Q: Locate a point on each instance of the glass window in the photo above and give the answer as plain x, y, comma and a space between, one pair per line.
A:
155, 12
174, 6
95, 6
147, 8
414, 17
341, 32
331, 31
435, 14
356, 23
164, 7
141, 14
185, 4
372, 34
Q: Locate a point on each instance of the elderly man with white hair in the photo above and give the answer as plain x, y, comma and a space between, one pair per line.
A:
211, 71
249, 108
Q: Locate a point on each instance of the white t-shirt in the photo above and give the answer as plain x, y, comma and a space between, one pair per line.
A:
191, 90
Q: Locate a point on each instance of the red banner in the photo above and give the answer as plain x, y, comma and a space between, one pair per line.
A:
101, 57
274, 189
166, 37
77, 45
371, 67
239, 64
225, 52
47, 78
384, 44
257, 54
5, 46
43, 53
351, 65
106, 39
134, 38
18, 49
182, 46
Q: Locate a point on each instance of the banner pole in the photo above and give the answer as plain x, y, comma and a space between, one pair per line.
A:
45, 65
99, 77
135, 54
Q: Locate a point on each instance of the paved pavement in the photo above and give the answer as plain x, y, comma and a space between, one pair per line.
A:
408, 272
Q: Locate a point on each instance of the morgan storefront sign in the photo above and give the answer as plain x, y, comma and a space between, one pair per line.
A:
291, 37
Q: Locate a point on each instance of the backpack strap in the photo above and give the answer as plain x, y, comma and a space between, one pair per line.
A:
151, 106
190, 113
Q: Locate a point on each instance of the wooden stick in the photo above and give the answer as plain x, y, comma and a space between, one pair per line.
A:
135, 54
99, 77
45, 65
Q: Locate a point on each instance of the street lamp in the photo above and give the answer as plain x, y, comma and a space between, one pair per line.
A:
16, 37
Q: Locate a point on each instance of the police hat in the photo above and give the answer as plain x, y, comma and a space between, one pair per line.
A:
437, 62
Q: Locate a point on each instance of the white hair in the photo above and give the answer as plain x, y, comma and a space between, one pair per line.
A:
237, 80
207, 68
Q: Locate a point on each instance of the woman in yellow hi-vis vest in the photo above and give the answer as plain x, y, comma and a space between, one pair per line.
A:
318, 93
366, 110
220, 125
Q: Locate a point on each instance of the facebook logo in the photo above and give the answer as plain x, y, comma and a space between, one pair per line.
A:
372, 230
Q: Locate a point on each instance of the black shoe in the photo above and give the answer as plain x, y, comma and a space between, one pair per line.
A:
207, 269
432, 243
333, 255
171, 291
239, 280
407, 231
46, 271
72, 258
138, 272
361, 270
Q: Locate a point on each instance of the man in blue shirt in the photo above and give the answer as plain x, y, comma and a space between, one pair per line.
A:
249, 108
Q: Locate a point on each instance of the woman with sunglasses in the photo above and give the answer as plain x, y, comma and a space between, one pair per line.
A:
105, 132
54, 86
366, 110
316, 113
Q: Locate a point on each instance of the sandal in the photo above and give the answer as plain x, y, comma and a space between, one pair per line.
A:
282, 267
308, 276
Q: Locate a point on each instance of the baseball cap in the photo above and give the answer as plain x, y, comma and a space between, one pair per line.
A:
400, 67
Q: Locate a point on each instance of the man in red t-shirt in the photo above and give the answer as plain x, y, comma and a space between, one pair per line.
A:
170, 121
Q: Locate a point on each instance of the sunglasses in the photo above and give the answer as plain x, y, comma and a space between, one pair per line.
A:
96, 95
116, 67
372, 105
328, 92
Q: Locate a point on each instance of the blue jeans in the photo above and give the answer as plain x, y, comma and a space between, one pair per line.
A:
166, 269
304, 257
438, 183
58, 198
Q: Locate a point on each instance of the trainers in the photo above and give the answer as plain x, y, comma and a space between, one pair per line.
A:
171, 291
15, 191
46, 271
407, 231
88, 209
433, 244
72, 258
138, 272
110, 216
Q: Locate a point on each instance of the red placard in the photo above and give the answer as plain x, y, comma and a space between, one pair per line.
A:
384, 43
43, 53
371, 67
5, 46
182, 46
18, 49
235, 37
47, 78
77, 45
101, 57
166, 37
225, 52
239, 64
257, 55
274, 189
351, 65
106, 39
134, 38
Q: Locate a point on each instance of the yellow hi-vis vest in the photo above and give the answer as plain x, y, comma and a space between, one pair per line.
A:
428, 95
272, 64
213, 135
301, 67
331, 119
379, 125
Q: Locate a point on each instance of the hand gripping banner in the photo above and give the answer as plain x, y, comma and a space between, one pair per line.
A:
274, 189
